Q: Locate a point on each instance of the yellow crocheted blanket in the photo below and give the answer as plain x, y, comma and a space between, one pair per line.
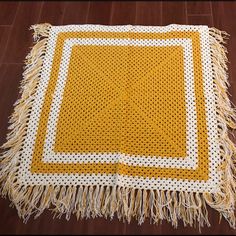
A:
123, 120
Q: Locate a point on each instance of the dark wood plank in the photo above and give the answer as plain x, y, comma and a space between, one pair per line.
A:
8, 217
154, 13
99, 12
224, 15
76, 12
10, 76
5, 30
198, 7
46, 225
52, 12
165, 228
173, 12
8, 11
200, 20
96, 226
20, 37
123, 12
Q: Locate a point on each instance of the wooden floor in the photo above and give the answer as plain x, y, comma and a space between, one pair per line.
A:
15, 41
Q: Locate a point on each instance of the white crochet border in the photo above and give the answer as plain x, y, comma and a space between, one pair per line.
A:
138, 182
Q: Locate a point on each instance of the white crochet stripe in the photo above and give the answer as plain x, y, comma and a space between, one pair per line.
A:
123, 180
160, 183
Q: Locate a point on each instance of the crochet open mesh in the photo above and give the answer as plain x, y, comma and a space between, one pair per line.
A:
131, 106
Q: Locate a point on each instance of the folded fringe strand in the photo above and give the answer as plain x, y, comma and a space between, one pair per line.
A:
108, 201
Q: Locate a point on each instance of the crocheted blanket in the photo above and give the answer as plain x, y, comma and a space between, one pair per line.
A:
128, 120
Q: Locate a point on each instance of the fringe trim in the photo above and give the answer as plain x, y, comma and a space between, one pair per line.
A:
126, 203
224, 200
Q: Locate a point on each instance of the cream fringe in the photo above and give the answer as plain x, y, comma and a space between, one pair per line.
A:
223, 201
107, 201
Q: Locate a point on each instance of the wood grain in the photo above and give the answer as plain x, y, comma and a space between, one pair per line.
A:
15, 42
76, 12
148, 13
173, 12
99, 12
52, 12
21, 38
5, 31
7, 12
198, 7
200, 20
9, 88
123, 12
